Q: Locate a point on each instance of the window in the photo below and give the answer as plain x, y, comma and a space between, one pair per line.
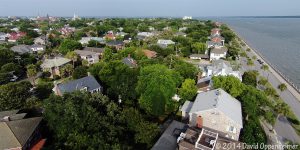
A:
231, 129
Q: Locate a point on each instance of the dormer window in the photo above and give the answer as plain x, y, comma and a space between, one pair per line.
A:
84, 89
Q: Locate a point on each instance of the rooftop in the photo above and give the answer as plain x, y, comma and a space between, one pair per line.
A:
55, 62
88, 82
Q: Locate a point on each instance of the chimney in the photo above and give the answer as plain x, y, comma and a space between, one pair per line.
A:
6, 118
129, 56
89, 74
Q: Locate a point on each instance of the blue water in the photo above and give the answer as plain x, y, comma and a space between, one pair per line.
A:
277, 39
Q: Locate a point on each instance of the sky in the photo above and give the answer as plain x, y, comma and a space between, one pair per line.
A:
136, 8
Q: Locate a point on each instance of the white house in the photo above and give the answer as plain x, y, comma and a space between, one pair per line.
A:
144, 35
220, 67
218, 52
40, 40
89, 56
199, 56
165, 43
3, 36
37, 48
85, 40
215, 109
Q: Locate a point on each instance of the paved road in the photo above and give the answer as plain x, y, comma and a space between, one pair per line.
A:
285, 131
289, 96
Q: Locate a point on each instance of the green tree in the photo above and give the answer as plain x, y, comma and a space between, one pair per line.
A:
12, 67
84, 121
32, 72
265, 68
262, 81
230, 84
282, 87
69, 45
79, 72
282, 108
249, 78
66, 70
199, 48
14, 95
156, 85
73, 56
188, 90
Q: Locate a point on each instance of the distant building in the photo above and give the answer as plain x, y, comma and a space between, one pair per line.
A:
216, 32
199, 56
17, 131
110, 35
89, 56
86, 40
22, 49
41, 40
66, 30
53, 65
220, 67
144, 35
215, 109
187, 18
118, 45
14, 36
150, 54
180, 34
217, 53
88, 84
130, 62
165, 43
3, 36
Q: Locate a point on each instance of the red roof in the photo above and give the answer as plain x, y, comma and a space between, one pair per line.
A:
39, 145
16, 36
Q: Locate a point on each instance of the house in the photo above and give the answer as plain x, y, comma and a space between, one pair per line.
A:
3, 36
54, 65
182, 29
86, 40
110, 35
21, 49
168, 140
14, 36
130, 62
215, 31
165, 43
121, 34
217, 39
94, 49
66, 30
180, 34
205, 139
187, 17
215, 109
88, 83
37, 48
118, 45
149, 54
41, 40
144, 35
204, 84
89, 56
217, 53
199, 56
211, 44
17, 131
220, 68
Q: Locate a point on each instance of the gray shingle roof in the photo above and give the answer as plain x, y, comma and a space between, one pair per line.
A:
220, 100
7, 137
84, 52
130, 62
55, 62
94, 49
219, 50
21, 49
168, 140
89, 82
24, 128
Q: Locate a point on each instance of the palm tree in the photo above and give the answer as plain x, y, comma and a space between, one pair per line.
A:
32, 72
265, 67
282, 87
73, 56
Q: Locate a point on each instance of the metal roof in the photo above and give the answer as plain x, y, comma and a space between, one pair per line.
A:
220, 100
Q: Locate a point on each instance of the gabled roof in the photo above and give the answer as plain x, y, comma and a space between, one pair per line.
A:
168, 140
24, 128
94, 49
115, 43
88, 82
55, 62
220, 100
7, 137
219, 50
85, 52
130, 62
21, 49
